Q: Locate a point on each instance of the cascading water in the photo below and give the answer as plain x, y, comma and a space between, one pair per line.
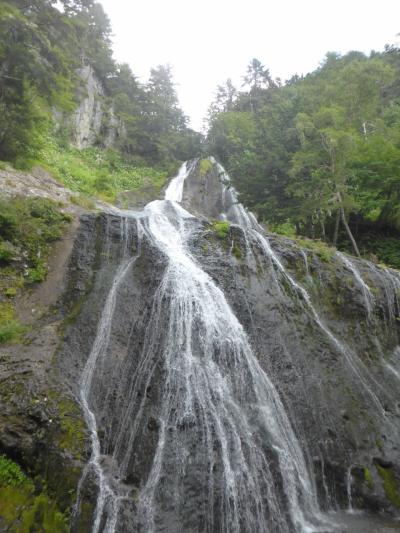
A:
107, 496
214, 386
237, 214
216, 432
367, 294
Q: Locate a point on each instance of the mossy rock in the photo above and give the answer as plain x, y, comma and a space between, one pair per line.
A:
390, 484
205, 166
220, 228
237, 252
321, 249
22, 507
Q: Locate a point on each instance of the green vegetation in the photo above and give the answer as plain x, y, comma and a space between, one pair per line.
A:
72, 428
285, 228
97, 172
21, 509
390, 485
42, 48
320, 248
237, 252
10, 327
10, 473
368, 478
28, 227
205, 166
221, 229
319, 155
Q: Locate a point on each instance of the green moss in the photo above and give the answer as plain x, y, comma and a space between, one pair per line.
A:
43, 515
320, 248
204, 167
390, 485
368, 478
75, 311
220, 228
23, 512
70, 432
72, 435
237, 252
21, 509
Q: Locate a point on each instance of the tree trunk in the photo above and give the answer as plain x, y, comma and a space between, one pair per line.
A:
323, 230
336, 232
353, 242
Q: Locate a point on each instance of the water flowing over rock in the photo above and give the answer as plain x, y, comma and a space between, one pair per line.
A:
231, 381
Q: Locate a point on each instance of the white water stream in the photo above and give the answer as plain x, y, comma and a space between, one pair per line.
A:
214, 381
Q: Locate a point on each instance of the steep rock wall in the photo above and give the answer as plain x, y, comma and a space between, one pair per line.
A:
94, 121
324, 327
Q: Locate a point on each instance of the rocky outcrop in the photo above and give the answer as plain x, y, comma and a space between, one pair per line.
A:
88, 117
94, 121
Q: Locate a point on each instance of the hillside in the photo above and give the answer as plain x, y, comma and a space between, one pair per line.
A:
319, 155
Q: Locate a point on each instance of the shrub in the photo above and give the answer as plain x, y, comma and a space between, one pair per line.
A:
221, 229
10, 327
6, 253
286, 228
10, 473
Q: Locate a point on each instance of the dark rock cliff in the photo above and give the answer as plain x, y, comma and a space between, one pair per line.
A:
334, 358
324, 328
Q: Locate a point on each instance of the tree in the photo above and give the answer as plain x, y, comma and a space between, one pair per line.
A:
256, 78
32, 76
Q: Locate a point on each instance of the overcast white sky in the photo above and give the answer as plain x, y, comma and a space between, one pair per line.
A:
208, 41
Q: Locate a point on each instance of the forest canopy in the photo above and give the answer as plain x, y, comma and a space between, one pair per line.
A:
319, 155
43, 43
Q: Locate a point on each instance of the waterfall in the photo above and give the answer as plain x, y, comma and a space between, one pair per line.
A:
359, 369
221, 425
367, 294
348, 488
107, 496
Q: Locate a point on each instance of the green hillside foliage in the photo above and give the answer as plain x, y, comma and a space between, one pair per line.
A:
100, 173
42, 45
28, 229
320, 153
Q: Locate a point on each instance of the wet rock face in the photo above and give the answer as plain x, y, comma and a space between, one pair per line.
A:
327, 341
202, 193
338, 378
